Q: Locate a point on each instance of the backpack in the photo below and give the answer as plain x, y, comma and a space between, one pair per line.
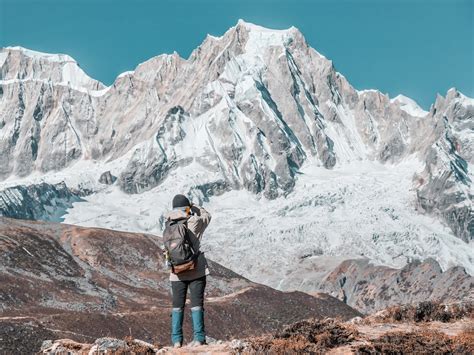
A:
181, 250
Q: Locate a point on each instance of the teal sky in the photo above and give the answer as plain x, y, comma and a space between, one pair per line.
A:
415, 47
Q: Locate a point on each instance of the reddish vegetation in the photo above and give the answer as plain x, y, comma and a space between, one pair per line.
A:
322, 336
426, 328
427, 342
467, 337
305, 336
425, 312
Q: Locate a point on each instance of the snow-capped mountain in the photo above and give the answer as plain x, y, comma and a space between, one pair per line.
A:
300, 169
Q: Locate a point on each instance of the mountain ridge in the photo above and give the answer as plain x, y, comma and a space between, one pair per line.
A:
240, 22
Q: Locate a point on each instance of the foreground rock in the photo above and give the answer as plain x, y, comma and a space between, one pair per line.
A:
100, 346
62, 281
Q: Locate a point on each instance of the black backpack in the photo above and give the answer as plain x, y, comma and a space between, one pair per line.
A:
182, 247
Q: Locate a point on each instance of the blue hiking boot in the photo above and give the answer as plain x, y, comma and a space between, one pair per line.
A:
197, 314
177, 327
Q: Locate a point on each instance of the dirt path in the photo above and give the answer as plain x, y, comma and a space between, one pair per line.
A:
229, 296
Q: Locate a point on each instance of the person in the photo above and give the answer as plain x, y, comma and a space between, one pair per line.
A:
195, 219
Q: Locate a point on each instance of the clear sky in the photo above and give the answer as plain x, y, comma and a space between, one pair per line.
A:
415, 47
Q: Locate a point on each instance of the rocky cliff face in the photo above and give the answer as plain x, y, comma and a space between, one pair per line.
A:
37, 96
37, 202
371, 288
445, 185
256, 102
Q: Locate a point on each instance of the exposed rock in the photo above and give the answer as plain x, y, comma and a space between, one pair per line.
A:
369, 288
445, 186
106, 345
66, 346
107, 178
37, 202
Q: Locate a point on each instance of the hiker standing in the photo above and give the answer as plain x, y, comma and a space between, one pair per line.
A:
184, 227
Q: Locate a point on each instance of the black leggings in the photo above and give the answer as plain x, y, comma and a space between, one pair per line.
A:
196, 288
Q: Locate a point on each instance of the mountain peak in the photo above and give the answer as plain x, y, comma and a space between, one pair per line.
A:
40, 55
409, 105
253, 27
19, 63
258, 30
256, 37
453, 95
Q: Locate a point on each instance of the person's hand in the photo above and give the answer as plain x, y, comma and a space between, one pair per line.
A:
195, 210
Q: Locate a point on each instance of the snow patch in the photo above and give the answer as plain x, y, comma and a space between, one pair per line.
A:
95, 93
127, 73
3, 58
409, 106
42, 55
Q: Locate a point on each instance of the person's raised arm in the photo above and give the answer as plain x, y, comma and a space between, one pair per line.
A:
200, 220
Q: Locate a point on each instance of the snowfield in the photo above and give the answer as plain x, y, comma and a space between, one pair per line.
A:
358, 210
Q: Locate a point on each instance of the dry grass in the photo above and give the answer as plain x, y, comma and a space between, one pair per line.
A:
416, 343
321, 336
466, 337
74, 346
309, 336
133, 347
424, 312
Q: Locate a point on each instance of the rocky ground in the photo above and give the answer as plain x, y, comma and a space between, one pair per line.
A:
427, 328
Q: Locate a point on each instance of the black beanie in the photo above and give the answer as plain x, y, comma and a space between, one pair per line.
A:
180, 201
